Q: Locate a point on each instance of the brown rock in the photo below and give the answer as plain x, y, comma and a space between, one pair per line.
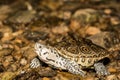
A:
17, 55
46, 72
45, 78
8, 76
112, 77
112, 70
6, 64
60, 29
92, 30
23, 61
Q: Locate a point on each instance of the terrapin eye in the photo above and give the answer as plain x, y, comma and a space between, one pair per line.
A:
39, 46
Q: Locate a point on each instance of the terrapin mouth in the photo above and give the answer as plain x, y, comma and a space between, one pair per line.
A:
36, 46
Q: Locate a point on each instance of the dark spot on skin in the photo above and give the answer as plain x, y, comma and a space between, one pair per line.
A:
45, 53
76, 60
50, 60
83, 60
60, 63
51, 51
57, 62
39, 46
89, 61
57, 56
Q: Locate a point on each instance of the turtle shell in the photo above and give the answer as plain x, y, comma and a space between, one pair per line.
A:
81, 50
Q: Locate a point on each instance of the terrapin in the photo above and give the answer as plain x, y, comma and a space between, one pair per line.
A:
73, 54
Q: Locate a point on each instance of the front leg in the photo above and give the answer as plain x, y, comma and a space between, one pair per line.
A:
35, 63
100, 69
74, 68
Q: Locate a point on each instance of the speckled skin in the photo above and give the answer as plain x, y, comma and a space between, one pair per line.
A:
50, 56
72, 54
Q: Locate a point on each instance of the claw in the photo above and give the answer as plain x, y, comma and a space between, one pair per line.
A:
35, 63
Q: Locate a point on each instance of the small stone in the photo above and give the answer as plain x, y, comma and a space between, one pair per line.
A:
6, 64
112, 70
46, 72
87, 15
8, 76
67, 15
112, 77
60, 29
45, 78
17, 55
13, 67
115, 20
23, 61
92, 30
2, 68
107, 11
29, 52
90, 78
74, 25
118, 76
9, 59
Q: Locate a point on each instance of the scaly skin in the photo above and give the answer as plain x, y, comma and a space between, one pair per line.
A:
50, 56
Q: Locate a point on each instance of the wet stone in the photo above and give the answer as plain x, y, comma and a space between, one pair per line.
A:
112, 77
45, 72
13, 67
28, 76
17, 56
85, 15
22, 17
35, 35
1, 35
23, 61
5, 52
2, 68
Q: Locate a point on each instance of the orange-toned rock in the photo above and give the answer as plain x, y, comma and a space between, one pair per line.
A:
112, 70
112, 77
92, 30
45, 78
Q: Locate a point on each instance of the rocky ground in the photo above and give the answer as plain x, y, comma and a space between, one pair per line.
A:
24, 22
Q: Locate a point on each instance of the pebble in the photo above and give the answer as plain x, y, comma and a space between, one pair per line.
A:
87, 15
17, 55
115, 20
45, 78
8, 76
46, 72
8, 60
112, 77
92, 30
107, 11
60, 30
23, 61
5, 52
22, 17
13, 67
112, 70
2, 68
6, 64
